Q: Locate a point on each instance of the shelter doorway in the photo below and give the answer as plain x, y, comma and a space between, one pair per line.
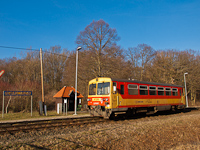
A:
71, 104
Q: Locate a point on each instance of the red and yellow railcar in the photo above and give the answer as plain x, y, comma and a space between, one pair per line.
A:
108, 97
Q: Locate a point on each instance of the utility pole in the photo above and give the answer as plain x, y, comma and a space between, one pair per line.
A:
42, 83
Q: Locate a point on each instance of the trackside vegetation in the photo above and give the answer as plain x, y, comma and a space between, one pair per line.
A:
101, 55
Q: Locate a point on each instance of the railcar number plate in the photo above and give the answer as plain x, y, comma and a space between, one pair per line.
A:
149, 101
96, 99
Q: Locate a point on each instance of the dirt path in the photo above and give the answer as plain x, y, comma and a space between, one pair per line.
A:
175, 131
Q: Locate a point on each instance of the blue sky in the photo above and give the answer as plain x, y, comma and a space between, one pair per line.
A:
162, 24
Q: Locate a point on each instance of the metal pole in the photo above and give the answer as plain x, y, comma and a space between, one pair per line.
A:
76, 82
186, 90
66, 107
76, 79
3, 105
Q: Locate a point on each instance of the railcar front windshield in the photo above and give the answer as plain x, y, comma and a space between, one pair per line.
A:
103, 88
92, 89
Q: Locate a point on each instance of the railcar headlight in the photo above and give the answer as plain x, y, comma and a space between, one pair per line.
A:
106, 99
88, 99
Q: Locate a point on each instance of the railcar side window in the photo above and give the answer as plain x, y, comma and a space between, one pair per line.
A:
114, 87
160, 91
103, 88
92, 89
143, 90
168, 91
132, 89
122, 89
152, 90
174, 91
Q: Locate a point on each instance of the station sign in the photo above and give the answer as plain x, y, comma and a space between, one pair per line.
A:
1, 72
17, 93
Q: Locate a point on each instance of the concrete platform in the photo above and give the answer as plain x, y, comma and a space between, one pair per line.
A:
197, 107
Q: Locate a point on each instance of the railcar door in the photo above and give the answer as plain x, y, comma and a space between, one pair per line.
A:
115, 96
183, 98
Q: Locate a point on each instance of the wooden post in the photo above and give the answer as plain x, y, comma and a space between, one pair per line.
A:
3, 105
31, 105
42, 81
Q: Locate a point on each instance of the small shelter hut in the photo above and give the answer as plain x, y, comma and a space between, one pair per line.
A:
65, 99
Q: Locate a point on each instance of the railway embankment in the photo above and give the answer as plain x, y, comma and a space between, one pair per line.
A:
159, 131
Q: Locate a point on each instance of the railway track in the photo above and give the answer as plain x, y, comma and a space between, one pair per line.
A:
25, 126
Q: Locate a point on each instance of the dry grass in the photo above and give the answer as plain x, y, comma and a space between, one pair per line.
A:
175, 131
27, 115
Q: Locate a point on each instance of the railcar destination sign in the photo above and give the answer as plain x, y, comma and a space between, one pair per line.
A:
17, 93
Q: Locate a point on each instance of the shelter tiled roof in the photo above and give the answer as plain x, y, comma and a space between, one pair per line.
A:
66, 92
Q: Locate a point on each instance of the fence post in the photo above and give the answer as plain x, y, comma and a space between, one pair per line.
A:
3, 105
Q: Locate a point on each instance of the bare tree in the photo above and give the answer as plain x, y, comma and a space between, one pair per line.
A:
97, 37
140, 57
54, 64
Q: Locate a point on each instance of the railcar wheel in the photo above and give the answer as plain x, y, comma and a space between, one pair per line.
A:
112, 116
130, 113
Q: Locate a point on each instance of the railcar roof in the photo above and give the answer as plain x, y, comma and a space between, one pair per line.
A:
144, 82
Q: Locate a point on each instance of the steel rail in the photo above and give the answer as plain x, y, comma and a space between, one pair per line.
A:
37, 125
